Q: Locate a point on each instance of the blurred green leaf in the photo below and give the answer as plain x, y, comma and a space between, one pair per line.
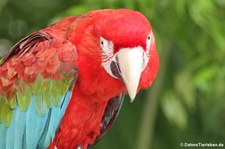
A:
2, 4
174, 110
185, 87
204, 77
75, 10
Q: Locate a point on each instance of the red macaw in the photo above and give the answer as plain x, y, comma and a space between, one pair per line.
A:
62, 87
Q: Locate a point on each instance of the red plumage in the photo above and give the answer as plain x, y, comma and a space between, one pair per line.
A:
80, 125
94, 87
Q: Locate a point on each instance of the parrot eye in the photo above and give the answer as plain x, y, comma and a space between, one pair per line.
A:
102, 43
148, 42
107, 46
146, 55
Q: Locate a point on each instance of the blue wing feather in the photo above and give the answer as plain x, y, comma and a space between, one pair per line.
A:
7, 136
10, 135
20, 122
2, 136
34, 125
28, 130
55, 118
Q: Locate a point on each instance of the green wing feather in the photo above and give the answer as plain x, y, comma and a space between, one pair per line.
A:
1, 61
39, 68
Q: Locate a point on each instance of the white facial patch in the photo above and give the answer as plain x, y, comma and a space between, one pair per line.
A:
108, 56
148, 47
107, 49
148, 43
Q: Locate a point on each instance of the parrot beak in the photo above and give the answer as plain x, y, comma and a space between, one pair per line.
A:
130, 61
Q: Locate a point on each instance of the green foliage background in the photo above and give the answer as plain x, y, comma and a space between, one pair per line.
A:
186, 102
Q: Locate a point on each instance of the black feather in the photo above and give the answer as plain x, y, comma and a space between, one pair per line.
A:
111, 112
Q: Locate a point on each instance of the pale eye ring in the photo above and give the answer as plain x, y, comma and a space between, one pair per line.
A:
148, 41
106, 45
